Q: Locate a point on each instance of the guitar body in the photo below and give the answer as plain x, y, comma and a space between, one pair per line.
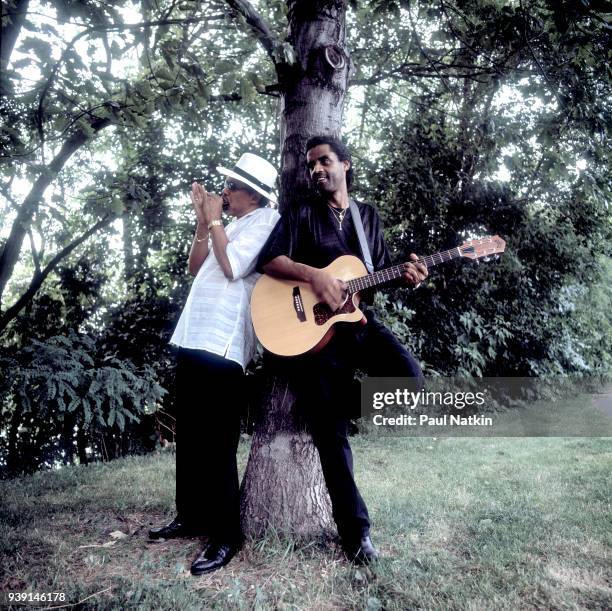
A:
289, 319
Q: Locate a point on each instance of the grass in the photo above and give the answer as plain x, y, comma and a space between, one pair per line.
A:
462, 524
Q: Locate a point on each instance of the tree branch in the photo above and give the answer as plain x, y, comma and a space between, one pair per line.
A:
552, 86
11, 26
417, 39
35, 257
10, 252
111, 28
258, 25
456, 71
41, 276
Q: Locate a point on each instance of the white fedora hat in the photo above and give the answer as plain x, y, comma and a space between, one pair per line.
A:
255, 172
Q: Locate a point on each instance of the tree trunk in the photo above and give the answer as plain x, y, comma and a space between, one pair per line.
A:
313, 88
82, 440
283, 487
12, 459
66, 440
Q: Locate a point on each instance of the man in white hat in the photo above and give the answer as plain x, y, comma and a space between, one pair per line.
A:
216, 342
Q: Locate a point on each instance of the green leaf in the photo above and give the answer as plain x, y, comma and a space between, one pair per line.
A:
247, 92
117, 206
163, 74
41, 48
284, 54
143, 88
257, 81
21, 63
224, 66
168, 58
228, 84
116, 50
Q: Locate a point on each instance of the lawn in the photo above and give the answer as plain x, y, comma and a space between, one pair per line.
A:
494, 523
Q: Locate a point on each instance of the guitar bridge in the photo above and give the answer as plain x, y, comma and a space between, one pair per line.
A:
298, 304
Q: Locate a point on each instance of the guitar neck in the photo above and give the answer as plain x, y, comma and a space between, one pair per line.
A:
396, 271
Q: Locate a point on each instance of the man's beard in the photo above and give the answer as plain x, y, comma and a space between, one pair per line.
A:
322, 189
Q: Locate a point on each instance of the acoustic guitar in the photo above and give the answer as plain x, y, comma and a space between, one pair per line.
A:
289, 319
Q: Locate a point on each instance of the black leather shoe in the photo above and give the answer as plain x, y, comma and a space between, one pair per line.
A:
364, 553
214, 556
175, 529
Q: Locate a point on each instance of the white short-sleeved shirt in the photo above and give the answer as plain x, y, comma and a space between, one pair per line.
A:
216, 316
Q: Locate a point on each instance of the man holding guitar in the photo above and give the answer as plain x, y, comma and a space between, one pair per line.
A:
303, 242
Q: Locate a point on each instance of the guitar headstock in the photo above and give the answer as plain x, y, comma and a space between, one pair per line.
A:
482, 247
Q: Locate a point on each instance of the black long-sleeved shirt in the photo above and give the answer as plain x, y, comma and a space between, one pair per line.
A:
310, 234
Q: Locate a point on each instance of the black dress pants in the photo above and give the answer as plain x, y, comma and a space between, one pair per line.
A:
328, 396
209, 399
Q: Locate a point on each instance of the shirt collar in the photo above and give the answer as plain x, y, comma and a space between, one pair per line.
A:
247, 215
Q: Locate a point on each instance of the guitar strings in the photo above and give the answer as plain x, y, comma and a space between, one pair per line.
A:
391, 273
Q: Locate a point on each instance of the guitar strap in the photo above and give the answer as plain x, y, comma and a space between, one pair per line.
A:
363, 243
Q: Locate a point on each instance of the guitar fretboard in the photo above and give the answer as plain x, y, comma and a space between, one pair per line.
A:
392, 273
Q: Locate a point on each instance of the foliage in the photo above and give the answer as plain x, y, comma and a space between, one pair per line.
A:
534, 174
466, 118
125, 113
60, 399
485, 330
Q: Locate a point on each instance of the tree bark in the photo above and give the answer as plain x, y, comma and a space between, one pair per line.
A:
12, 459
313, 89
82, 441
283, 488
66, 440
